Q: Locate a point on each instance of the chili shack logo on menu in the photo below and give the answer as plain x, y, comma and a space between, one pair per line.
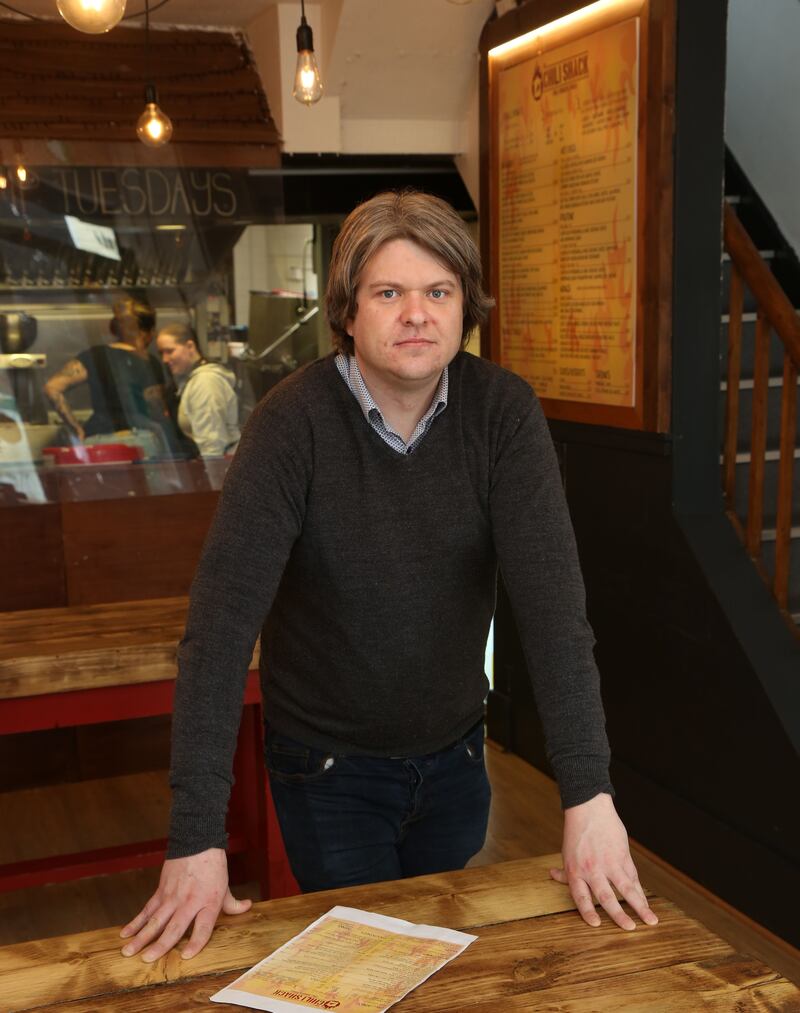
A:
312, 1000
551, 75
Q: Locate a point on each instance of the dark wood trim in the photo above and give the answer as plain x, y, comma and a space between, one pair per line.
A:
697, 251
783, 523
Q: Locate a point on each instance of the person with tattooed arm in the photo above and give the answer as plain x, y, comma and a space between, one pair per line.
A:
124, 382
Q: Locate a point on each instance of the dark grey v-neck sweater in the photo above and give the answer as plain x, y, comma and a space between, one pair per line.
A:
373, 574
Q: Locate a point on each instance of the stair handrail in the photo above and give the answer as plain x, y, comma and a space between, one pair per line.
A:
776, 305
775, 313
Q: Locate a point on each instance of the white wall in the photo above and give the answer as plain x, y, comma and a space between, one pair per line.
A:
398, 75
468, 162
762, 118
272, 38
270, 257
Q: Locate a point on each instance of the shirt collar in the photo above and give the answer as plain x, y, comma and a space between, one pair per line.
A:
351, 374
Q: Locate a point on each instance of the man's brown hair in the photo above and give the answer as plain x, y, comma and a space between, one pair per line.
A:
407, 214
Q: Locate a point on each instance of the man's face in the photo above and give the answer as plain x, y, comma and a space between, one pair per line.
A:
409, 317
177, 357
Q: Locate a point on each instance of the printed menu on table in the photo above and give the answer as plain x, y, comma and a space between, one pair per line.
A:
348, 960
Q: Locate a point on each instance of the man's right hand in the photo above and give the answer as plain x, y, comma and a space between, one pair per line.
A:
193, 889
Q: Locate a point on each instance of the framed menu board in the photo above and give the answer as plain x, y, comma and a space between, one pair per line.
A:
570, 239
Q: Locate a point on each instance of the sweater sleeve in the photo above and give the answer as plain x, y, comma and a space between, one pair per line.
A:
258, 519
538, 560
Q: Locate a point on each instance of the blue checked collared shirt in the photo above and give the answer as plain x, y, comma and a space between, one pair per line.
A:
351, 374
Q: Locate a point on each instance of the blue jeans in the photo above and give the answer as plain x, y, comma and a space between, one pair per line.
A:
362, 819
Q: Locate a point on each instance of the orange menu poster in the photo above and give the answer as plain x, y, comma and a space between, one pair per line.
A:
348, 960
566, 134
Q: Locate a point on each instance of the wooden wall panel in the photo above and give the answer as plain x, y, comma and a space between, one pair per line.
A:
125, 550
31, 558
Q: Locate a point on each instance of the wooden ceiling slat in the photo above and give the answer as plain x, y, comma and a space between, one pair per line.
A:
126, 66
59, 84
195, 132
19, 87
229, 107
57, 30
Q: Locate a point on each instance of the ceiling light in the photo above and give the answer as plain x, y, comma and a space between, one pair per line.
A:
154, 127
92, 16
307, 84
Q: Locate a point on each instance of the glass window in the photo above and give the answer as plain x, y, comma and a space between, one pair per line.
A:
143, 313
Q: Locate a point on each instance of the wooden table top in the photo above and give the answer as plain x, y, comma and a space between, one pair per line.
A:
532, 953
60, 650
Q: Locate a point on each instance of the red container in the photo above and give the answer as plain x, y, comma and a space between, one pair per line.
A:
100, 453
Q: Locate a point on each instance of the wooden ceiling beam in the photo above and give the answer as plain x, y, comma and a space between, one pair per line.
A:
60, 85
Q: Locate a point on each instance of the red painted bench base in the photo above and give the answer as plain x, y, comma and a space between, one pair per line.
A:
255, 846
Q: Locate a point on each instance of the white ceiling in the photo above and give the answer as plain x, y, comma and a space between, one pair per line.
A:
405, 59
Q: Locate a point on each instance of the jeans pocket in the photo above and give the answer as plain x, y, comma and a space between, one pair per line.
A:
473, 743
289, 760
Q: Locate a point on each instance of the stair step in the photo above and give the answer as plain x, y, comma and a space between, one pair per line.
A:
743, 456
747, 318
770, 534
747, 383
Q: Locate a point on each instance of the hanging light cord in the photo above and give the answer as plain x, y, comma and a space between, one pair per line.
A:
147, 41
302, 12
34, 17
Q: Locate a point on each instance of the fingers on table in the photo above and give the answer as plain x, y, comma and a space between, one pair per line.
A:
584, 892
630, 888
142, 918
154, 928
604, 891
172, 933
204, 923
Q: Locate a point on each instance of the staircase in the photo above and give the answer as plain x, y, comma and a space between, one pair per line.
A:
760, 359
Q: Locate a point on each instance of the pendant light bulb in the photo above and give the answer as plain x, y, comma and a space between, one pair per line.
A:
92, 16
307, 84
154, 127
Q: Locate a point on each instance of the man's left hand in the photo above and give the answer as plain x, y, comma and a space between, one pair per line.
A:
597, 861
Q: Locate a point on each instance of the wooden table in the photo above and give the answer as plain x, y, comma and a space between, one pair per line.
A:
83, 665
532, 953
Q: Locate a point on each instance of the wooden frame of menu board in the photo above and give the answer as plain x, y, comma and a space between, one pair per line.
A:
576, 174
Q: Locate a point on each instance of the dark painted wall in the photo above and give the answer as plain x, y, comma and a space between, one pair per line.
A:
701, 678
705, 771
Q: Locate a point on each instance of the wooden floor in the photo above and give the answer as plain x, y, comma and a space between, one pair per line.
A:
525, 821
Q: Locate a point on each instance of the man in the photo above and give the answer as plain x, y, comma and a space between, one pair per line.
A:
207, 412
371, 499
